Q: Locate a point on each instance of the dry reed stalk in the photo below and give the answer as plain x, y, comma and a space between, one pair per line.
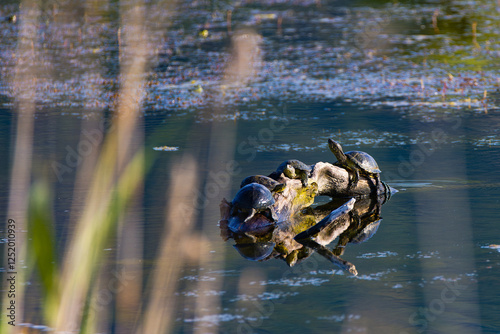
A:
115, 162
244, 67
24, 85
176, 236
92, 126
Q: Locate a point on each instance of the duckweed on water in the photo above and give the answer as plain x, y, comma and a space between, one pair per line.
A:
394, 55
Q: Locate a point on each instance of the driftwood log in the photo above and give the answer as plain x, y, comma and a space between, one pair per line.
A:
300, 228
325, 179
334, 181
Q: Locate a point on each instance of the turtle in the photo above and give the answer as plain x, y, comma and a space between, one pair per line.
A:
355, 162
271, 184
251, 199
295, 169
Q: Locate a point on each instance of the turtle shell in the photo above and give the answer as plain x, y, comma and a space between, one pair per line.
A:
253, 196
364, 161
260, 179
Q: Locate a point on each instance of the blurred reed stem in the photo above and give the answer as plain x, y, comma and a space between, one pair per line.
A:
24, 85
176, 239
118, 174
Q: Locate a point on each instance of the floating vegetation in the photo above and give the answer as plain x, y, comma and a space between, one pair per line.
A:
379, 139
165, 148
377, 254
492, 246
341, 318
215, 319
487, 141
202, 278
375, 276
296, 281
264, 296
422, 255
422, 64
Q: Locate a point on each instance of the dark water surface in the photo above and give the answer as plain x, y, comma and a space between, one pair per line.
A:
429, 267
377, 77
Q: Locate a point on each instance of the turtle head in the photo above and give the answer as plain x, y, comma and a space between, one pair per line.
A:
337, 150
289, 172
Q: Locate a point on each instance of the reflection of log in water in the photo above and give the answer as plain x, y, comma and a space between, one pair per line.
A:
327, 221
328, 254
305, 238
293, 241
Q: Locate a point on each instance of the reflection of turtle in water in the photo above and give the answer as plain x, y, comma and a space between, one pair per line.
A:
355, 162
251, 199
258, 225
356, 236
295, 169
255, 251
271, 184
366, 233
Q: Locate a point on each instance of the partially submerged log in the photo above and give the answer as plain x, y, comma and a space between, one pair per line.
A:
323, 179
295, 229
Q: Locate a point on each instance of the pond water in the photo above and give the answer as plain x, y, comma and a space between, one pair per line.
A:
430, 267
413, 84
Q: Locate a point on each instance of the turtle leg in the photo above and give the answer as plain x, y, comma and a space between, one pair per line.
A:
354, 182
304, 179
252, 213
353, 177
350, 179
279, 188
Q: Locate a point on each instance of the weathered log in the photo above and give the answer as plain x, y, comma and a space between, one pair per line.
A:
324, 179
296, 232
334, 181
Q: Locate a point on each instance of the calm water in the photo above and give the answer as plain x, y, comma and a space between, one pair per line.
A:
393, 86
429, 267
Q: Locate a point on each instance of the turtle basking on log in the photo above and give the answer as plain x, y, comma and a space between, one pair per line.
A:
295, 169
251, 199
355, 162
271, 184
